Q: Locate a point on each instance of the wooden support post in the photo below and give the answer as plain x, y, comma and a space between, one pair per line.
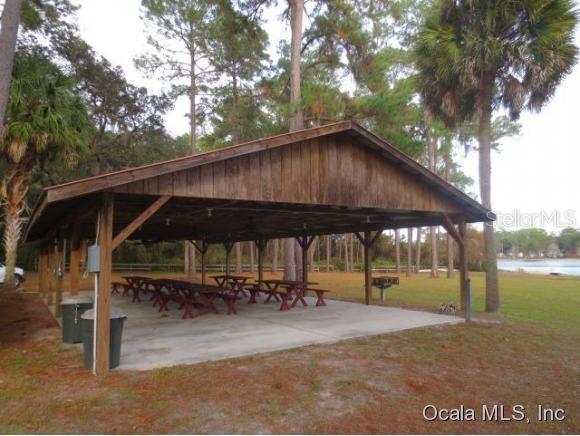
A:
42, 270
228, 245
202, 250
368, 269
463, 261
409, 250
50, 277
103, 306
59, 273
305, 243
367, 242
261, 246
75, 258
460, 236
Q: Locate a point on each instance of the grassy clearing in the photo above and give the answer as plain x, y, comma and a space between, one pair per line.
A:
527, 356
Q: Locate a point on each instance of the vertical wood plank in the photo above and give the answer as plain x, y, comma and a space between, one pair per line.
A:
276, 175
219, 180
50, 272
266, 176
42, 267
323, 170
102, 330
180, 183
314, 178
206, 181
367, 265
59, 255
75, 252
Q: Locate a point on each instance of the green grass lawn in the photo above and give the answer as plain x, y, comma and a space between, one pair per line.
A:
528, 355
552, 301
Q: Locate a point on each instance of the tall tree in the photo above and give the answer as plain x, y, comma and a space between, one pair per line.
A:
296, 120
44, 120
474, 56
8, 34
397, 251
179, 38
432, 157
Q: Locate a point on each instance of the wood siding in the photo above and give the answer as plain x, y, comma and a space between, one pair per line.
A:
331, 170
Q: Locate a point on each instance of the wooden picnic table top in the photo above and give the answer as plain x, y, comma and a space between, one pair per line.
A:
136, 278
230, 276
286, 282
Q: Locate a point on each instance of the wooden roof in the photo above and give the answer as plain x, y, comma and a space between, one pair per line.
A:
331, 179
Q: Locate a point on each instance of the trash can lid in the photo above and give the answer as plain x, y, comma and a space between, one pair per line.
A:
115, 313
77, 300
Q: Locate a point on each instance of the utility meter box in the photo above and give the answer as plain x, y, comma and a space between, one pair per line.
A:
94, 258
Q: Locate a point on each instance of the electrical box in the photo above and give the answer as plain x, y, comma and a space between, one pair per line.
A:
94, 258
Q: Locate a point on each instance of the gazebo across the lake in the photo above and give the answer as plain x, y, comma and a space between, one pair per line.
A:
338, 178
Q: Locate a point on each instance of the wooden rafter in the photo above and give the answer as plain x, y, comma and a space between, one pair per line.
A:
450, 228
143, 216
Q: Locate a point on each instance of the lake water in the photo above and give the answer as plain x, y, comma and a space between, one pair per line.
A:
541, 266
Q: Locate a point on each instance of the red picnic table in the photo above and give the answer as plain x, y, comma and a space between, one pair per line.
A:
187, 294
293, 287
236, 283
136, 284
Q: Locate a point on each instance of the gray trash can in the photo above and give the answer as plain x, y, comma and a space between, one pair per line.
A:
118, 317
72, 310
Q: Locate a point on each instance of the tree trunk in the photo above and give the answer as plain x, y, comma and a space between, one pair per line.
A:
238, 257
192, 97
346, 259
191, 267
252, 266
296, 10
289, 259
490, 262
351, 251
418, 251
328, 243
431, 150
434, 254
14, 189
8, 34
298, 254
296, 122
189, 262
311, 252
274, 256
409, 251
398, 251
450, 263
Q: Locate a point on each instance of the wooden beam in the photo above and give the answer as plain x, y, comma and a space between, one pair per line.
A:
42, 270
228, 245
450, 228
367, 264
261, 246
409, 250
103, 306
463, 262
144, 216
59, 272
202, 250
75, 258
50, 280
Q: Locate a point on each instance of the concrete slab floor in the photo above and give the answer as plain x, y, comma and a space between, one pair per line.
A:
155, 340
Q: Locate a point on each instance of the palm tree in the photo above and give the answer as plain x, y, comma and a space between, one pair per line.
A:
44, 120
474, 56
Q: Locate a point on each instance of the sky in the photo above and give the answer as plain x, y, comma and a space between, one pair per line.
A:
535, 176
